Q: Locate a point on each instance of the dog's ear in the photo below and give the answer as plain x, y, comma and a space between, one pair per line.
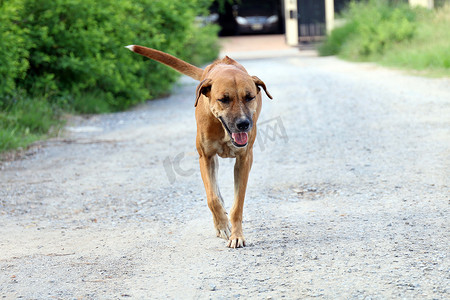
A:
260, 83
204, 88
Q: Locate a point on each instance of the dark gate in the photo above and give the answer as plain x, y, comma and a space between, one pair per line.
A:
311, 20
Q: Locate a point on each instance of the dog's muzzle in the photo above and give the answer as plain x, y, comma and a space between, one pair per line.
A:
239, 139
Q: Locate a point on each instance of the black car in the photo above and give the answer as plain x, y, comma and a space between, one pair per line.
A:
257, 16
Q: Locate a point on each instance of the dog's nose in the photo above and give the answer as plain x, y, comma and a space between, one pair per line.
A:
243, 124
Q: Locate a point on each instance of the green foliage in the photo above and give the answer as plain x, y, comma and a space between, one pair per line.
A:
337, 39
13, 50
379, 26
393, 34
199, 45
77, 47
66, 50
70, 54
429, 50
25, 122
373, 27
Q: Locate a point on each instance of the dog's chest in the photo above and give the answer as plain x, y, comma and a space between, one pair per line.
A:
229, 150
224, 148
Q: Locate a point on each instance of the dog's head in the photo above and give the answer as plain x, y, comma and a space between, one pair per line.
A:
233, 99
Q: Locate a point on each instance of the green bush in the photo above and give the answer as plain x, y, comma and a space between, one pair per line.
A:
25, 122
13, 51
336, 39
70, 55
372, 28
379, 26
77, 48
68, 50
394, 35
429, 50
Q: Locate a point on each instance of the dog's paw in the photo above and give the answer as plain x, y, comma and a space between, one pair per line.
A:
236, 242
224, 232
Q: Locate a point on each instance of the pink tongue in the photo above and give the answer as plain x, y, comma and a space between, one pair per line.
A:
240, 138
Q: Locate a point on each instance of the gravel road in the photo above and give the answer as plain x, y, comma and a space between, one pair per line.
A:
348, 197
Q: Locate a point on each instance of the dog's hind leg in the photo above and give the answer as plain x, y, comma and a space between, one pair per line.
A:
209, 168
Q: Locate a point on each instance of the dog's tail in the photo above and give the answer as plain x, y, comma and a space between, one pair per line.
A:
169, 60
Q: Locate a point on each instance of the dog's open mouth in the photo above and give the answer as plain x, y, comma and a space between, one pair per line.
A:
239, 139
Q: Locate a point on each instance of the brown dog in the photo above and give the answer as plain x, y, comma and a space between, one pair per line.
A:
228, 103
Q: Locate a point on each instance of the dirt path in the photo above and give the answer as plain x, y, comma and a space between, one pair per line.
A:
348, 196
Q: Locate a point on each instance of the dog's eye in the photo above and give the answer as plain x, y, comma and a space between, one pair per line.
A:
224, 100
249, 98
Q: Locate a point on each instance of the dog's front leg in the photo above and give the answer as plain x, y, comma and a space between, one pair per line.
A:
241, 170
209, 167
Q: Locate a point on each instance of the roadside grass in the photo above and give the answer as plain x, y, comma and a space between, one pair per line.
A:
335, 41
26, 122
414, 39
91, 103
429, 51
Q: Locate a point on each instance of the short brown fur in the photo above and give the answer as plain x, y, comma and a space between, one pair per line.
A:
227, 99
